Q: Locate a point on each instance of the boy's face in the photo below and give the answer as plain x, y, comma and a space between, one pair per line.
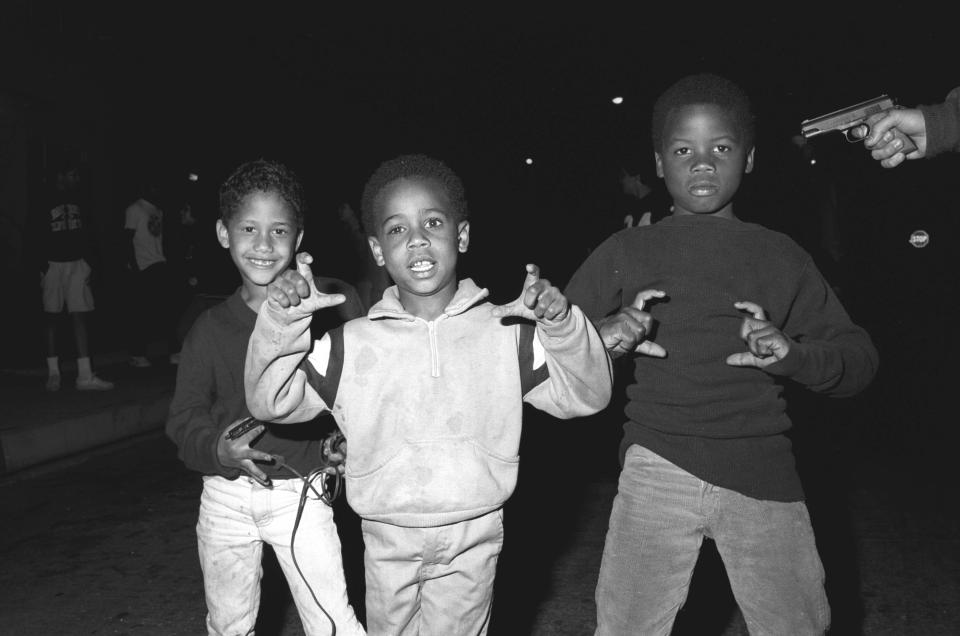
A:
262, 238
417, 239
702, 160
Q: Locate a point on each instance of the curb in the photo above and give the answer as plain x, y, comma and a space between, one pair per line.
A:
27, 446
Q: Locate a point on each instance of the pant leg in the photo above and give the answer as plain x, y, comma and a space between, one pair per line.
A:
316, 547
770, 554
459, 571
392, 558
651, 549
230, 552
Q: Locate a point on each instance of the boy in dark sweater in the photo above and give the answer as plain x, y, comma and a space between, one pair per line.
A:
249, 498
722, 312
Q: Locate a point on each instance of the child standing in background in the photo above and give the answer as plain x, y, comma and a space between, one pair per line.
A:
250, 497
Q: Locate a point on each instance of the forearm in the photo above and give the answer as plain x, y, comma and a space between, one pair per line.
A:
581, 372
276, 388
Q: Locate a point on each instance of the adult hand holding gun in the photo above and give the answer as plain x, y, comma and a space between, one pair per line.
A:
880, 137
881, 122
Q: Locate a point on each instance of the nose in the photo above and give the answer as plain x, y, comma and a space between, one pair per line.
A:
263, 242
417, 238
703, 162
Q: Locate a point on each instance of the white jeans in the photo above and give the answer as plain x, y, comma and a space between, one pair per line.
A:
431, 581
236, 518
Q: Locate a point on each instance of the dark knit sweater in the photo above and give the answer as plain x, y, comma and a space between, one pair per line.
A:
724, 424
942, 122
209, 397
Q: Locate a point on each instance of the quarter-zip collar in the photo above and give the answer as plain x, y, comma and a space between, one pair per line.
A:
468, 294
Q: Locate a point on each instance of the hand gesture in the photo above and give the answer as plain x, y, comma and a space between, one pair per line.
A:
296, 291
626, 331
538, 301
884, 146
237, 453
765, 343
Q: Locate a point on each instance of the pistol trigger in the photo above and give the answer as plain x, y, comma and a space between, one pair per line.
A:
856, 133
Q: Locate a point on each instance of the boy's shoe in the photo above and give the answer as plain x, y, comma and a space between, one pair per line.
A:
175, 358
140, 362
53, 382
93, 383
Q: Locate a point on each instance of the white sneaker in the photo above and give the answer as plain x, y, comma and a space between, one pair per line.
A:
93, 383
139, 362
53, 382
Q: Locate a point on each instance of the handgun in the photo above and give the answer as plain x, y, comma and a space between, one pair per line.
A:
848, 120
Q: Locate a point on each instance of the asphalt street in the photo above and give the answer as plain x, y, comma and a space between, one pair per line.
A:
104, 543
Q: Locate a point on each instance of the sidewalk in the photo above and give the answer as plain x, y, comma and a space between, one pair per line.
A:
38, 427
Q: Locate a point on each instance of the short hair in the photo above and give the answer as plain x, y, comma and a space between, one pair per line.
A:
704, 88
414, 166
261, 175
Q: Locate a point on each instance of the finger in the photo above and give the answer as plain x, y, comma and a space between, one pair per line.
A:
303, 265
330, 300
649, 348
533, 275
645, 295
744, 359
880, 125
753, 308
255, 472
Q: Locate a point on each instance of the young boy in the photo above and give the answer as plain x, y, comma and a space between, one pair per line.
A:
250, 498
429, 391
704, 452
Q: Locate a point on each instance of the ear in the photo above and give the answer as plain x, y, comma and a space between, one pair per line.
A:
659, 162
223, 235
749, 167
463, 236
299, 238
376, 250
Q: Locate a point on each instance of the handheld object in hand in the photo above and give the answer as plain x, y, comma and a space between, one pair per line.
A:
241, 429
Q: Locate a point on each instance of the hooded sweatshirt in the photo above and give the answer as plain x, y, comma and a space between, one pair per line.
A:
431, 410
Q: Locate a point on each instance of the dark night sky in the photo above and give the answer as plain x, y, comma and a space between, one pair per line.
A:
333, 92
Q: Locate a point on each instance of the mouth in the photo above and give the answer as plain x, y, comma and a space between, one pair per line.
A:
703, 188
263, 263
422, 265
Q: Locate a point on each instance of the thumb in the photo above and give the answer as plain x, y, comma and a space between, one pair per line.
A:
753, 308
645, 295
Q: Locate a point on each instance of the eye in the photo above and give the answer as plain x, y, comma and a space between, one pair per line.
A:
395, 229
681, 152
722, 148
247, 229
433, 222
281, 231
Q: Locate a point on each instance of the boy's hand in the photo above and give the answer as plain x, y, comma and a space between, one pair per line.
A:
237, 453
765, 343
298, 289
539, 300
626, 331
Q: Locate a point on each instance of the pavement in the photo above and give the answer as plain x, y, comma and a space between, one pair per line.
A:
38, 427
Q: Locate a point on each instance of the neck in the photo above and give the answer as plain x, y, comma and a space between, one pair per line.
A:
427, 307
253, 295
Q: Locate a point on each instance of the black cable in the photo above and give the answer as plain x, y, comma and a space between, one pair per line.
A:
327, 498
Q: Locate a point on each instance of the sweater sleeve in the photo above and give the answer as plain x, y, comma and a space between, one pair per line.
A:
276, 386
830, 355
190, 422
596, 286
580, 373
942, 122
